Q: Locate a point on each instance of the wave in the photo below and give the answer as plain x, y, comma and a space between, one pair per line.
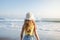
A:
49, 30
13, 20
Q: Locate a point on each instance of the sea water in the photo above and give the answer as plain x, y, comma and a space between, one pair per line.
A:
46, 30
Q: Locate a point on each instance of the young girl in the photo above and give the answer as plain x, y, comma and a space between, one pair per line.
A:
29, 28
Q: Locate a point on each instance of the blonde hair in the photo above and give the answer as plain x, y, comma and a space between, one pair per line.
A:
28, 23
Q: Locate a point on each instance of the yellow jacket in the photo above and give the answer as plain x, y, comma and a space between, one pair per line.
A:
29, 30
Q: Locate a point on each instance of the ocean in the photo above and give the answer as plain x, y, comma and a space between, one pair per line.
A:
46, 30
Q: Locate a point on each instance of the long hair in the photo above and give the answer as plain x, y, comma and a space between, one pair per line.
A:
28, 23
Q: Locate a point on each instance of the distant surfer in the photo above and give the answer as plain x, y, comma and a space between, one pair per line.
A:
29, 28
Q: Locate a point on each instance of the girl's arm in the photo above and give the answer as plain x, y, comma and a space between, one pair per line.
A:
22, 33
35, 32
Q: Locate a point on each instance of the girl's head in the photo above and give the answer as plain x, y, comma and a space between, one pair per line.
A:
29, 19
29, 16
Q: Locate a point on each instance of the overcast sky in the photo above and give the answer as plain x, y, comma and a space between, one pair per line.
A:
40, 8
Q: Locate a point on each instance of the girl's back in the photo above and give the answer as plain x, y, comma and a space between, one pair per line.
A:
29, 27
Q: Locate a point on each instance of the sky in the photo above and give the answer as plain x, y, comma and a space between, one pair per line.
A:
40, 8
